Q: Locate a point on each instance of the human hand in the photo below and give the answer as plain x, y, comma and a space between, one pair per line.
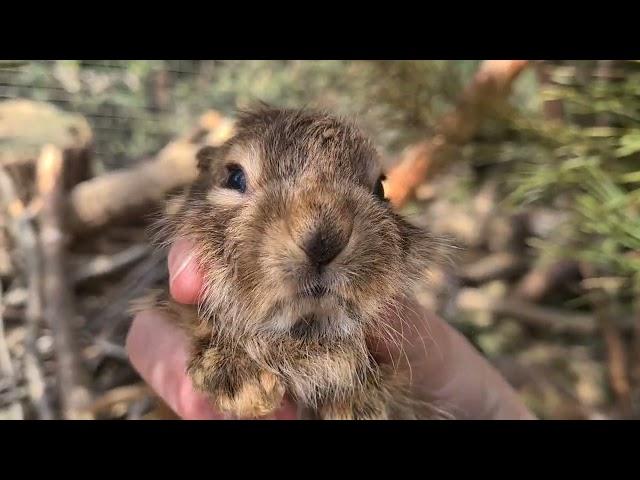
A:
446, 369
159, 350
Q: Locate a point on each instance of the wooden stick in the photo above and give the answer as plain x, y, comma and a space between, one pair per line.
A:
548, 319
488, 89
23, 233
103, 265
541, 281
125, 394
552, 109
6, 368
635, 369
58, 296
616, 359
616, 350
493, 267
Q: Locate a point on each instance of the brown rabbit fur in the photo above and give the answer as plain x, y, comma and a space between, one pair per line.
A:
298, 270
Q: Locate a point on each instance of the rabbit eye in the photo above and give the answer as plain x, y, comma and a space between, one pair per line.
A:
378, 190
236, 179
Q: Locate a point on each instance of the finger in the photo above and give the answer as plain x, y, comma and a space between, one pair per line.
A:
185, 279
458, 376
446, 368
158, 352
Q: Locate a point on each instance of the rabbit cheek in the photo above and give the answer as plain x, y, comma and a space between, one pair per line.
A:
280, 259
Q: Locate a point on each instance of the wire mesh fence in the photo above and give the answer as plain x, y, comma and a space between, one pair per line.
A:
135, 106
130, 105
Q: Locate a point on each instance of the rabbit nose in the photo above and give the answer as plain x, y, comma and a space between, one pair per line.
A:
324, 245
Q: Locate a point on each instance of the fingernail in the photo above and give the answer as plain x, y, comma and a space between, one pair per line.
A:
176, 272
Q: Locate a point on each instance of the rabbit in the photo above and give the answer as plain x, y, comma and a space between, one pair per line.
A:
301, 256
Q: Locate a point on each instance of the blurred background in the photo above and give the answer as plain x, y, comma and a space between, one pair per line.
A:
531, 166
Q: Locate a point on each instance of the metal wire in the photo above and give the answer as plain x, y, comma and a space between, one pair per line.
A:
128, 106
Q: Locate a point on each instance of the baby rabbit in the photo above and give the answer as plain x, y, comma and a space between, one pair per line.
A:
301, 257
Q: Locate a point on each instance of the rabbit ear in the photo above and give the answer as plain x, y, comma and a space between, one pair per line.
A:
205, 156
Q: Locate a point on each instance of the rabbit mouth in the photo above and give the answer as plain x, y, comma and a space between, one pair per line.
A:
315, 291
314, 310
315, 326
307, 326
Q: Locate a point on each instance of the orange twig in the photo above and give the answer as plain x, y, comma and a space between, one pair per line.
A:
489, 87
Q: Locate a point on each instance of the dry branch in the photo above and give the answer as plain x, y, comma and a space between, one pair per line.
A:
635, 370
24, 236
103, 265
6, 264
493, 267
547, 319
616, 350
130, 192
488, 89
616, 359
120, 395
552, 109
58, 296
541, 281
15, 410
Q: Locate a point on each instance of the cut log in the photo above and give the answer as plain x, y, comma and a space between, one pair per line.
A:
27, 126
59, 305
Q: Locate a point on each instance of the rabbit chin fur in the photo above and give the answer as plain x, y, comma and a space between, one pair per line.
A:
301, 260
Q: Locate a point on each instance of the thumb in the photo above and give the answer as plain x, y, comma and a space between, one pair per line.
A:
185, 279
